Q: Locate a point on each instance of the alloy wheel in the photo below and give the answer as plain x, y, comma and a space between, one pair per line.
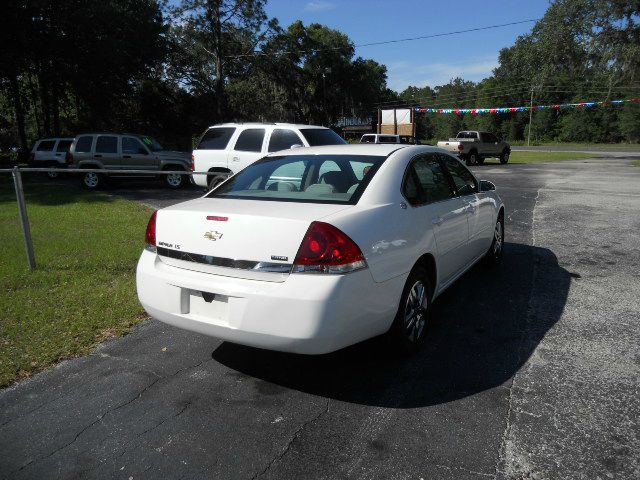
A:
91, 179
415, 312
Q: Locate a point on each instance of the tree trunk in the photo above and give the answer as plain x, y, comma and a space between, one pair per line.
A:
217, 50
19, 112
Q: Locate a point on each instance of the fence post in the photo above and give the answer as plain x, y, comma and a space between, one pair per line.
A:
24, 220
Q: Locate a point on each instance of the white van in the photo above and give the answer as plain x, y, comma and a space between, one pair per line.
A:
227, 148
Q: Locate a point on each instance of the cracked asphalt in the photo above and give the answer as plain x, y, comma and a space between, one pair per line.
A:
531, 371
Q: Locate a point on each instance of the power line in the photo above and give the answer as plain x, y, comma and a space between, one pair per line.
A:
385, 42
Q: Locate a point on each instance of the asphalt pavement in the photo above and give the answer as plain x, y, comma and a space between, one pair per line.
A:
531, 371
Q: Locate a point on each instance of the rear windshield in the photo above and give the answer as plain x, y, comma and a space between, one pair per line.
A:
216, 138
303, 178
321, 136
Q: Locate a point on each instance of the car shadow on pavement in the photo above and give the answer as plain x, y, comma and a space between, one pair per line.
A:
484, 328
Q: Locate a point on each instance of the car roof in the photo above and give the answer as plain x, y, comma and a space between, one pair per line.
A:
265, 124
54, 138
381, 149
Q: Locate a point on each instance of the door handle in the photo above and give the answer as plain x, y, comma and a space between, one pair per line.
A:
126, 156
236, 159
58, 154
97, 156
437, 220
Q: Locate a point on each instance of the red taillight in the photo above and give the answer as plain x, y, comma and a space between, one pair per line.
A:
193, 163
460, 146
325, 249
151, 230
32, 157
69, 158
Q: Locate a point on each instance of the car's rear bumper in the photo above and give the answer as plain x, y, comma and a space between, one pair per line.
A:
307, 313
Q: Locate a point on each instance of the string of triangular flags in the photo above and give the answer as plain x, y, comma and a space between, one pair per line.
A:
557, 106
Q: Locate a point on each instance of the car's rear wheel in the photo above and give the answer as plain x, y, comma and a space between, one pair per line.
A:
92, 180
504, 157
50, 174
409, 327
174, 180
494, 255
472, 158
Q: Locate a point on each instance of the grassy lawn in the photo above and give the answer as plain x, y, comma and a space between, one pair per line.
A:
636, 163
581, 146
83, 290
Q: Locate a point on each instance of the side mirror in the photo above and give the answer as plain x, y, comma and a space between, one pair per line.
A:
486, 186
295, 145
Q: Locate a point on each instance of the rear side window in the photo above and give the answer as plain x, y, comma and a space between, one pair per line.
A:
387, 139
63, 146
46, 146
462, 178
321, 136
132, 146
283, 139
250, 140
368, 139
83, 145
216, 138
426, 181
107, 144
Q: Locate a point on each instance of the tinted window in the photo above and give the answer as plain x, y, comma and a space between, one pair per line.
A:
132, 146
216, 138
151, 143
368, 139
83, 145
63, 146
250, 140
107, 144
283, 139
321, 136
462, 178
46, 146
426, 181
387, 139
297, 178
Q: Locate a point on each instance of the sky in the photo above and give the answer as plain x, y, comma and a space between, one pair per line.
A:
434, 61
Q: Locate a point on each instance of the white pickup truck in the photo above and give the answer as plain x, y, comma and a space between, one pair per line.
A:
473, 147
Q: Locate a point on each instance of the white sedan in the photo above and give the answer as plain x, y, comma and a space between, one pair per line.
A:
311, 250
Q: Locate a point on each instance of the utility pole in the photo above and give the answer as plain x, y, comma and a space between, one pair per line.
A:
530, 118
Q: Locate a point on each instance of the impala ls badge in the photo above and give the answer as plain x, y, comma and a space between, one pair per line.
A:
213, 236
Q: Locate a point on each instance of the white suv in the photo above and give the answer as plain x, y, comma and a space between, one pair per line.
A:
227, 148
50, 152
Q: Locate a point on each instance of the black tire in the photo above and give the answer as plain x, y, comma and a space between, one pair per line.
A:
504, 156
407, 333
174, 180
472, 158
494, 255
92, 180
216, 180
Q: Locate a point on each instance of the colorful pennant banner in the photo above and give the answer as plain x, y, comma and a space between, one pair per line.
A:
559, 106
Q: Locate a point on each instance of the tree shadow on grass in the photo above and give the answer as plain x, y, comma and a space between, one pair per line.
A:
485, 327
42, 191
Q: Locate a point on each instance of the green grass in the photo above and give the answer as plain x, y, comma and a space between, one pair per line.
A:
636, 163
579, 145
83, 290
547, 157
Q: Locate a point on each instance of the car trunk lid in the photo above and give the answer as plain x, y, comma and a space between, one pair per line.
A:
238, 238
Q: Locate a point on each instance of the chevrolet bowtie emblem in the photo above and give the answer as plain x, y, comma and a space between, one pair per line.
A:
213, 236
